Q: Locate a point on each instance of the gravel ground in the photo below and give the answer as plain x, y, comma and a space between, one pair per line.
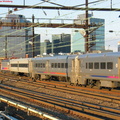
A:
65, 95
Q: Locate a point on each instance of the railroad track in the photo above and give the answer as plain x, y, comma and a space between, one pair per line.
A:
65, 105
81, 106
8, 76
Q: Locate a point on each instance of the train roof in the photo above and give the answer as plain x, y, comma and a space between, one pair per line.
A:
51, 57
5, 60
54, 57
108, 54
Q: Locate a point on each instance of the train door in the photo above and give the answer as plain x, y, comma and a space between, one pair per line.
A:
30, 68
75, 71
118, 67
47, 66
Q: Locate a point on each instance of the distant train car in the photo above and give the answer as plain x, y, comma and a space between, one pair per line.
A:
5, 66
20, 66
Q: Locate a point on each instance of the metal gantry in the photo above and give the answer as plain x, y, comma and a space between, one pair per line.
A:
85, 26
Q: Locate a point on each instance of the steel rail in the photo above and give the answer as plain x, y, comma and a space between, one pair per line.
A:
27, 98
69, 104
28, 109
79, 92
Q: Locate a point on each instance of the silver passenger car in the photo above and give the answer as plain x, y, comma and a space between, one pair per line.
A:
21, 66
50, 68
5, 65
101, 70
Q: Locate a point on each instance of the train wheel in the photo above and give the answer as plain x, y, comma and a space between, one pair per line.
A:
109, 89
33, 80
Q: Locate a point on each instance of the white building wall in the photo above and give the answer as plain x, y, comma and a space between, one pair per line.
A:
15, 46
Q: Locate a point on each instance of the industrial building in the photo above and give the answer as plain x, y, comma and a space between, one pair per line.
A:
16, 40
96, 39
46, 47
61, 43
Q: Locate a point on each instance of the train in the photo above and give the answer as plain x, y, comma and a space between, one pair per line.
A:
91, 69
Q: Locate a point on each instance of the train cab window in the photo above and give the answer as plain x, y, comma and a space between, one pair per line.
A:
58, 65
103, 65
96, 65
62, 65
90, 65
109, 65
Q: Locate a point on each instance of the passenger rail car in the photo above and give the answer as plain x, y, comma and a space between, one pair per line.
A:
51, 68
100, 69
21, 66
5, 66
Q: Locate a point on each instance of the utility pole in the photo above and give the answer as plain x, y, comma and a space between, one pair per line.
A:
6, 47
24, 2
86, 27
33, 48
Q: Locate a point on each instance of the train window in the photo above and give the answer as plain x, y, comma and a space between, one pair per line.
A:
40, 65
62, 65
90, 65
52, 65
103, 65
23, 65
35, 65
96, 65
86, 65
43, 65
14, 65
109, 65
66, 65
55, 65
58, 65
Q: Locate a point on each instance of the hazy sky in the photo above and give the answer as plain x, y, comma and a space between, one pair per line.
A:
112, 19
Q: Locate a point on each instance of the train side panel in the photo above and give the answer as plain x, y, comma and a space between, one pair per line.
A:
50, 67
100, 70
5, 65
20, 66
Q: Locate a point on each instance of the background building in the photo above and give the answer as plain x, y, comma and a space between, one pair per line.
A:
77, 41
97, 37
16, 40
61, 43
45, 47
37, 43
118, 46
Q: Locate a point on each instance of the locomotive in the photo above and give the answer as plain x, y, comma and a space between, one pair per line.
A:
92, 69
